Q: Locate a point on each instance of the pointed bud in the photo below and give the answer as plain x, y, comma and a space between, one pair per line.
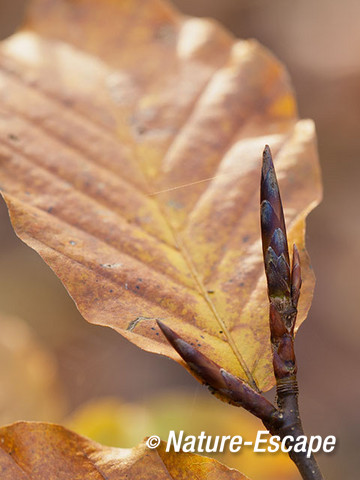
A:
273, 231
224, 384
283, 283
204, 368
270, 194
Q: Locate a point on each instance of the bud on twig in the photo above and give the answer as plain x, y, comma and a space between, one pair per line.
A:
222, 383
283, 290
283, 283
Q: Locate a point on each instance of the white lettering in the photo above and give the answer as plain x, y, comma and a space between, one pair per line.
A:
201, 438
211, 444
172, 438
329, 441
313, 438
300, 445
260, 440
283, 443
274, 441
190, 444
235, 444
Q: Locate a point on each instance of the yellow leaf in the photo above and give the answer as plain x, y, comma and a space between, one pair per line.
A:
51, 452
130, 160
113, 422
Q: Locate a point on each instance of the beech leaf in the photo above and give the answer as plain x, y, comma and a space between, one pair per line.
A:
44, 451
131, 142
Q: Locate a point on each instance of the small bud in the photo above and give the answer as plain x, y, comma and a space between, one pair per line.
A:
223, 383
273, 231
205, 369
270, 195
283, 284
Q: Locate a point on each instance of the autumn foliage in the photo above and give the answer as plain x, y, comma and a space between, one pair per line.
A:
130, 161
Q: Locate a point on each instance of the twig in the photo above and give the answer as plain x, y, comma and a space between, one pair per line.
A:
284, 283
283, 290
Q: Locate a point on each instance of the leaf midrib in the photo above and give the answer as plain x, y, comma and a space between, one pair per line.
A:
187, 257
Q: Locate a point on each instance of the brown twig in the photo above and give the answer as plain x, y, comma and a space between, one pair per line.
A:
284, 283
283, 290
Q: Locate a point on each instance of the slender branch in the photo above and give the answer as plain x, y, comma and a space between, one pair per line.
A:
283, 290
284, 285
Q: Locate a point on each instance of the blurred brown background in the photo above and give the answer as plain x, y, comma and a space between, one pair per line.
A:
319, 42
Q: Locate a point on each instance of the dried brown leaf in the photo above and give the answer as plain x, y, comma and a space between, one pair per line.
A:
130, 160
51, 452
